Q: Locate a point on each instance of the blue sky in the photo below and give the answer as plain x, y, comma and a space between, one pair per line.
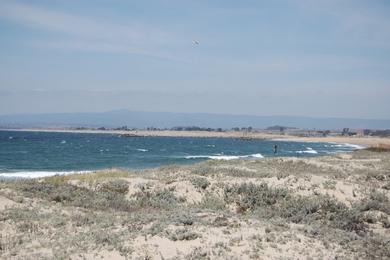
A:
293, 57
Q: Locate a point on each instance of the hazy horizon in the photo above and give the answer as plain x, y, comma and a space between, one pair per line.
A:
139, 119
321, 59
189, 113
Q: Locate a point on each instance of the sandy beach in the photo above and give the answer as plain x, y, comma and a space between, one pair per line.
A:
330, 207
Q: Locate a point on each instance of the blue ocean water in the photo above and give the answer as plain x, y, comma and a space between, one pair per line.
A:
33, 154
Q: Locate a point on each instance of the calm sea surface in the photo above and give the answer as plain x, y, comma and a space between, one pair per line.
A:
33, 154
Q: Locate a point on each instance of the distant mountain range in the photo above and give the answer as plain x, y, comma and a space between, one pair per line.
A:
136, 119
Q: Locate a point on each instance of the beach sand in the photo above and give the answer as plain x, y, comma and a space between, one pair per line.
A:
320, 208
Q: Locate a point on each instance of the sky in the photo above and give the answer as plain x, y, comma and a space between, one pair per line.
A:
322, 58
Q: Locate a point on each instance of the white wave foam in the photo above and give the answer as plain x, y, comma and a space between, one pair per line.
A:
257, 155
347, 145
308, 151
355, 146
142, 150
224, 157
210, 145
63, 142
38, 174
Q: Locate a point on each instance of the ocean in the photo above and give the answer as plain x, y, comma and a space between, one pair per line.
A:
39, 154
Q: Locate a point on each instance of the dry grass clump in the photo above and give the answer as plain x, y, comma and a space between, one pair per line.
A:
117, 186
88, 177
203, 170
380, 148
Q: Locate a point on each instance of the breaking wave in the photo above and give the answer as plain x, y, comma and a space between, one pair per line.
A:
309, 150
38, 174
224, 157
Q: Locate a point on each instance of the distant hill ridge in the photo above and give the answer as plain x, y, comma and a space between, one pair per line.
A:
138, 119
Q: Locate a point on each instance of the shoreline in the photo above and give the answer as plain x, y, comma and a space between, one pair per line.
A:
26, 174
365, 141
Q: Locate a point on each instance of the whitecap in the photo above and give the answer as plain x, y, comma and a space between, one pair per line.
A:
142, 150
63, 142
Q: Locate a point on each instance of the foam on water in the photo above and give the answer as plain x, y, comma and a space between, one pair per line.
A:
224, 157
348, 145
142, 150
355, 146
309, 150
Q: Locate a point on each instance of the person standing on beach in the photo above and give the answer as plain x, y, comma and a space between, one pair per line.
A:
275, 149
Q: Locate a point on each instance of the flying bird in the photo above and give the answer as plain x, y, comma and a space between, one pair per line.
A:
195, 42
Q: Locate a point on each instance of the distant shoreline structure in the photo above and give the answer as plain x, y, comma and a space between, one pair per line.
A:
367, 141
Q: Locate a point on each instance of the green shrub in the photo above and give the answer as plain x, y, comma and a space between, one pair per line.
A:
76, 196
184, 219
374, 201
183, 234
267, 202
251, 196
212, 202
158, 199
200, 183
329, 185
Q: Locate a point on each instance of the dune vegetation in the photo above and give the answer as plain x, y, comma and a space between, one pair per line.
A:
332, 207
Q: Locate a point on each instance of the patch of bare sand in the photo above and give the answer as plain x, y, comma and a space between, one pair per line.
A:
138, 184
186, 190
6, 203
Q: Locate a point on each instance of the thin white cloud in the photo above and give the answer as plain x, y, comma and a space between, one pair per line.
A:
84, 33
105, 47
